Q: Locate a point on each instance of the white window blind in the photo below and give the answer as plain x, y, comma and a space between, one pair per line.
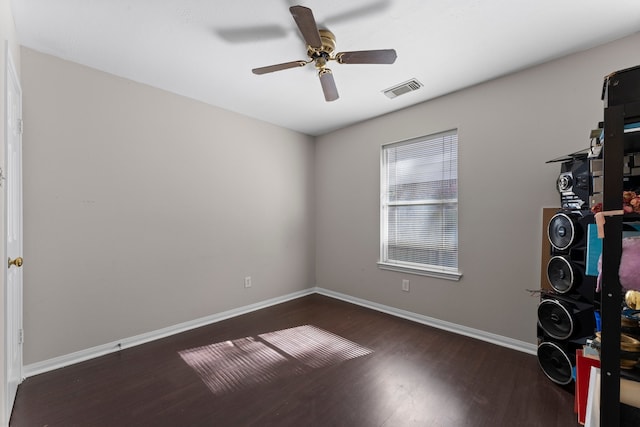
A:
419, 205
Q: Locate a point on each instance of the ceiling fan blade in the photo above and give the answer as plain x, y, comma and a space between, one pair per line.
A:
382, 56
307, 25
328, 85
278, 67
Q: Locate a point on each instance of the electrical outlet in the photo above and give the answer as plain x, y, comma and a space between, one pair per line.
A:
405, 285
247, 282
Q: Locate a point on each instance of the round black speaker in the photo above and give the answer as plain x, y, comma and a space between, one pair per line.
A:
555, 363
561, 274
555, 319
561, 231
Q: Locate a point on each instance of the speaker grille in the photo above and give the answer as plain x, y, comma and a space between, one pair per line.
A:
555, 363
561, 275
555, 319
561, 231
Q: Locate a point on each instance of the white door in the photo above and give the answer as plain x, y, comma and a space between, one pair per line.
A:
13, 193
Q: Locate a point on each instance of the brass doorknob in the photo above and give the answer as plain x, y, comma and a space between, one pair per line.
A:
17, 262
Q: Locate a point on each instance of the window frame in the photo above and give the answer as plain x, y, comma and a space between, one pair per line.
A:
438, 271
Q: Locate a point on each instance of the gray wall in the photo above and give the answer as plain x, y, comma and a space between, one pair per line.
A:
507, 128
7, 38
144, 209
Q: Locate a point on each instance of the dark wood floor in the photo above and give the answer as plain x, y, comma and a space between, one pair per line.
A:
416, 376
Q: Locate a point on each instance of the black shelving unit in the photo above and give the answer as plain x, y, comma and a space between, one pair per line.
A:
621, 95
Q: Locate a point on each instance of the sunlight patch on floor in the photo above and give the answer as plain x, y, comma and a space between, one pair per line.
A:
245, 362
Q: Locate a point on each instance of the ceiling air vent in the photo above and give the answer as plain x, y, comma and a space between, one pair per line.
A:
402, 88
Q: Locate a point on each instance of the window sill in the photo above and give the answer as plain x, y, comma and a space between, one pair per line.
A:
455, 276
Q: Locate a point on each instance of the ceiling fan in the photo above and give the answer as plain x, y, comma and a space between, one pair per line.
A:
320, 47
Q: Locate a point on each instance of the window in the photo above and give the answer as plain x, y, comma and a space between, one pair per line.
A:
419, 206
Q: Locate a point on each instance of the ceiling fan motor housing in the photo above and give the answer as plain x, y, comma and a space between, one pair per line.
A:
328, 44
324, 54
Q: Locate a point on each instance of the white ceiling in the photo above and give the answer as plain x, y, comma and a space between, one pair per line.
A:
206, 49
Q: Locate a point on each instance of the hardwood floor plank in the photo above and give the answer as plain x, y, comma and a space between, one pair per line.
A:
416, 376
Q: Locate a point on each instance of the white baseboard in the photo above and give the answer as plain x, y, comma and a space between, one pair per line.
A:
112, 347
93, 352
500, 340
